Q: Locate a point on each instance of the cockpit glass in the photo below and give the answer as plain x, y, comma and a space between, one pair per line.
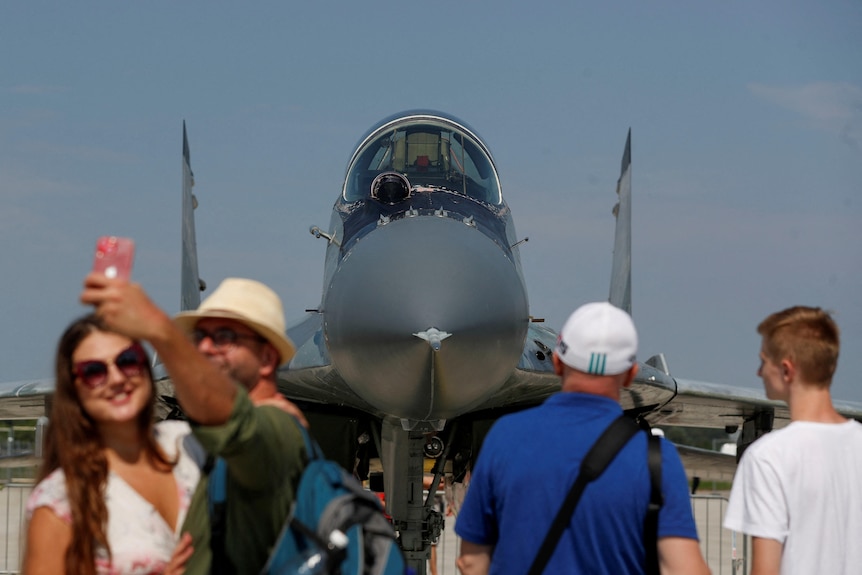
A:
430, 154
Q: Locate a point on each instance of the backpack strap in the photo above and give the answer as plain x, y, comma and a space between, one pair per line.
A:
217, 505
597, 459
312, 449
216, 468
292, 526
656, 500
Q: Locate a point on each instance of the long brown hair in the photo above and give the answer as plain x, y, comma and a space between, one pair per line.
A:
73, 444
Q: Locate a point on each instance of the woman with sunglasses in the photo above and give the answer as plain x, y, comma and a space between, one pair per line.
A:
114, 488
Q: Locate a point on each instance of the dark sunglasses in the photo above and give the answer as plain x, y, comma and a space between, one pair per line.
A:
223, 337
132, 362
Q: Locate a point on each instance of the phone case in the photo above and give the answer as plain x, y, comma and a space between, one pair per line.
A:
114, 256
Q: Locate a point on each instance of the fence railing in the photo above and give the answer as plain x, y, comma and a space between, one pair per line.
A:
726, 551
13, 499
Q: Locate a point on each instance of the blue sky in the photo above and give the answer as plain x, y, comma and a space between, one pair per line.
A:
746, 122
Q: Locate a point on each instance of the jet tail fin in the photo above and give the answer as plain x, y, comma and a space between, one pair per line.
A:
192, 285
621, 269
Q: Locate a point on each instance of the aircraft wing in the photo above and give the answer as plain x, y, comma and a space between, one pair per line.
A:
704, 404
707, 465
26, 399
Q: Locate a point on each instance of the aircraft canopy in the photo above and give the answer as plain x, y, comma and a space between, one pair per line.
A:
432, 152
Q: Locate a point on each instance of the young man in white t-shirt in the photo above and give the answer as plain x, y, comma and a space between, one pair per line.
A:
797, 490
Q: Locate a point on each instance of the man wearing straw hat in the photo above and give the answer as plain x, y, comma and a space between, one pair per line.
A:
228, 391
240, 329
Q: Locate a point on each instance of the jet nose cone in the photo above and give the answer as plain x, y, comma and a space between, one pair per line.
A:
425, 317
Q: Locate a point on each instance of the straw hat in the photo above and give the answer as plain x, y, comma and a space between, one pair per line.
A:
250, 303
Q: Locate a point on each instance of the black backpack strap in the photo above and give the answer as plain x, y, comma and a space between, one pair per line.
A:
656, 500
597, 459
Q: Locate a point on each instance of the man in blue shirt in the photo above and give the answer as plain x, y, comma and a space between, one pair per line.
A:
530, 459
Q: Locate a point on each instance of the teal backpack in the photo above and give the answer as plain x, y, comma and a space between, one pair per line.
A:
336, 527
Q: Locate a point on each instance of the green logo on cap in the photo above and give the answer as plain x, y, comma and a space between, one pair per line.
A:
597, 363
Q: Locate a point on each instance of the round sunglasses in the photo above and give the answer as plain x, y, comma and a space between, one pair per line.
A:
93, 373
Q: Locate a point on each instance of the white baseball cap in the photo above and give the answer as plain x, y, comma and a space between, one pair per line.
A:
599, 339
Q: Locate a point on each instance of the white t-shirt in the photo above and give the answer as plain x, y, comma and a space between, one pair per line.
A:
802, 486
141, 540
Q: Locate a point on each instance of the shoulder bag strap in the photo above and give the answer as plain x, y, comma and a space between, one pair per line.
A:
655, 502
597, 459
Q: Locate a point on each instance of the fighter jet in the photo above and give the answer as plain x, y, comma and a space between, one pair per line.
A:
423, 335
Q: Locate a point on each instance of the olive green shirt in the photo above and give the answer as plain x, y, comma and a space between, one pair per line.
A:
265, 457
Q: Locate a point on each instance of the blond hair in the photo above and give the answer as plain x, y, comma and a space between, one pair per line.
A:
808, 337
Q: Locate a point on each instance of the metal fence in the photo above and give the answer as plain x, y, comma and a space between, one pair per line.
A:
13, 499
726, 551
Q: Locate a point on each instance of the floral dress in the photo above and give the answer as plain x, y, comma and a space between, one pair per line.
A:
141, 540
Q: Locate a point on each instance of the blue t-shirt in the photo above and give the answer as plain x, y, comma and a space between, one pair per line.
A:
527, 465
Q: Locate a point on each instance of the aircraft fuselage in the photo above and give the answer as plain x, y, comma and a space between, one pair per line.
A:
424, 307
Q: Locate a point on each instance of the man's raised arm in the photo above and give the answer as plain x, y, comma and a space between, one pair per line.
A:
205, 394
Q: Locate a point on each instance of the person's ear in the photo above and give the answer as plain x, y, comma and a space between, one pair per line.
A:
268, 359
558, 364
630, 375
788, 370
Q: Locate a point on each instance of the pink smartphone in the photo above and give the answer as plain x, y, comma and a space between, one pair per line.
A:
114, 256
